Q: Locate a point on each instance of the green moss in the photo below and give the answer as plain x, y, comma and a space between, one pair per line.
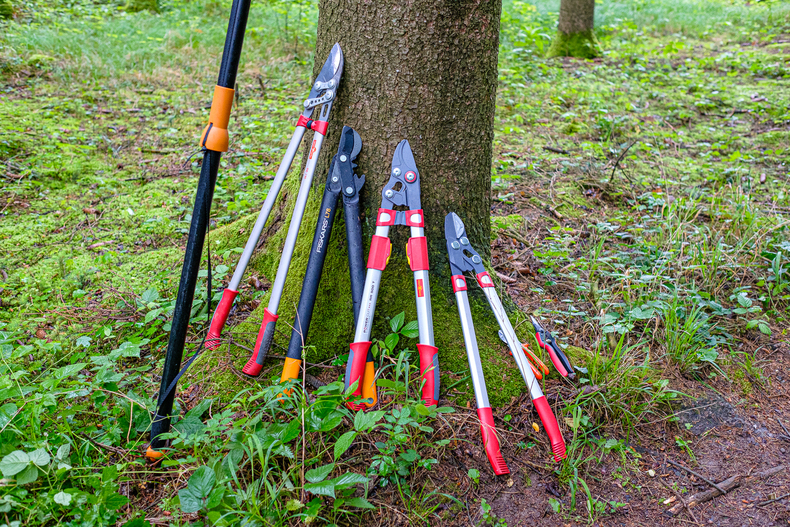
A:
135, 6
582, 45
506, 222
6, 9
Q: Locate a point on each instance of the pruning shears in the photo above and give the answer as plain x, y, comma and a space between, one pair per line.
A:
463, 258
402, 190
537, 365
546, 341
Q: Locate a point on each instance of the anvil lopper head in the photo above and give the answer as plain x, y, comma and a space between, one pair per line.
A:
405, 178
462, 256
341, 172
325, 86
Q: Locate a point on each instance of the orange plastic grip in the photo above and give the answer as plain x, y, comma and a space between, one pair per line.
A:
215, 135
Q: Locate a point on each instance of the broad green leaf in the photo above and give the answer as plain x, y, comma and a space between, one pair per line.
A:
189, 503
151, 315
150, 295
391, 341
319, 474
366, 420
348, 479
322, 488
360, 503
63, 451
115, 501
215, 498
294, 505
343, 443
411, 330
201, 482
397, 321
40, 457
14, 463
189, 426
138, 522
83, 341
331, 422
68, 371
109, 474
62, 498
763, 327
7, 412
199, 409
29, 475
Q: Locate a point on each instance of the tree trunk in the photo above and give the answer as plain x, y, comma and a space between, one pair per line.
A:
575, 36
426, 71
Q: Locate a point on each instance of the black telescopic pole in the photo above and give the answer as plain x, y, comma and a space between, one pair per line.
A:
214, 141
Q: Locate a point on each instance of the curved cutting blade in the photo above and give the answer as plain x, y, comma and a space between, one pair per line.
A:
403, 188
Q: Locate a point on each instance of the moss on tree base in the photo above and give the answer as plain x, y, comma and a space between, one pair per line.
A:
582, 45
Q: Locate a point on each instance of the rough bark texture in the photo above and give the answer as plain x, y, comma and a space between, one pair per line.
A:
426, 71
575, 36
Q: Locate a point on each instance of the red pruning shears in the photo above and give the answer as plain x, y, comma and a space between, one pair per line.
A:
538, 368
547, 342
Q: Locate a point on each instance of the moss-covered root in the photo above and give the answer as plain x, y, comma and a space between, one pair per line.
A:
582, 45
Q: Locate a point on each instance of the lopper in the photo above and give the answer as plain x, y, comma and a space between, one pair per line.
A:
403, 190
464, 258
322, 95
341, 179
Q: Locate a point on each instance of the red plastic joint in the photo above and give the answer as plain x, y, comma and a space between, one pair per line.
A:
417, 253
318, 126
484, 279
219, 318
429, 370
415, 218
380, 247
551, 426
459, 282
491, 442
385, 217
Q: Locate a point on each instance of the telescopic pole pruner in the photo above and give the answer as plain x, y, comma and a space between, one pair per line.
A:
213, 141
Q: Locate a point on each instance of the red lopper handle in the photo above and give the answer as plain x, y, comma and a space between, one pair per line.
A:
491, 442
219, 318
262, 344
551, 426
355, 370
429, 370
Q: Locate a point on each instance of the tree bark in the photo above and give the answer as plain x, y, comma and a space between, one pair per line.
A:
426, 71
575, 36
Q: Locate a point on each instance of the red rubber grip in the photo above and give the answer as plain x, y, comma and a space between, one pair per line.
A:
551, 426
355, 370
379, 255
417, 253
254, 366
491, 442
219, 318
412, 215
459, 282
553, 354
429, 370
484, 279
318, 126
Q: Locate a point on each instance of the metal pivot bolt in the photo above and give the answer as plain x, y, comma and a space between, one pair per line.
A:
456, 245
464, 241
343, 158
334, 179
396, 171
389, 193
476, 259
349, 190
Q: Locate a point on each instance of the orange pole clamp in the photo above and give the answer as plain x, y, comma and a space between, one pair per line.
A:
215, 135
153, 455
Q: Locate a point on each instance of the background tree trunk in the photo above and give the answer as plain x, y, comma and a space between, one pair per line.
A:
426, 71
575, 36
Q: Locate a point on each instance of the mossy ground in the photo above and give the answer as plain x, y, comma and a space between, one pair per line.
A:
582, 45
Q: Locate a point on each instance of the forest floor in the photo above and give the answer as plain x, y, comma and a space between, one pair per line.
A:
641, 210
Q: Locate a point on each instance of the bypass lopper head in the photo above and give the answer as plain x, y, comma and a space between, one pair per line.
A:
403, 188
325, 86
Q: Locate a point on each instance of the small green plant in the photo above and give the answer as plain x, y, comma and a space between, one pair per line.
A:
474, 475
489, 517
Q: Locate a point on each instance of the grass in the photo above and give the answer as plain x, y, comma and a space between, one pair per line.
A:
652, 238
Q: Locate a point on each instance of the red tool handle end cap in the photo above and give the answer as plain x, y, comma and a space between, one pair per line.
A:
219, 318
429, 369
552, 428
491, 442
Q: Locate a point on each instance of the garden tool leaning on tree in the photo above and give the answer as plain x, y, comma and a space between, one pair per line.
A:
322, 94
341, 179
402, 189
464, 258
